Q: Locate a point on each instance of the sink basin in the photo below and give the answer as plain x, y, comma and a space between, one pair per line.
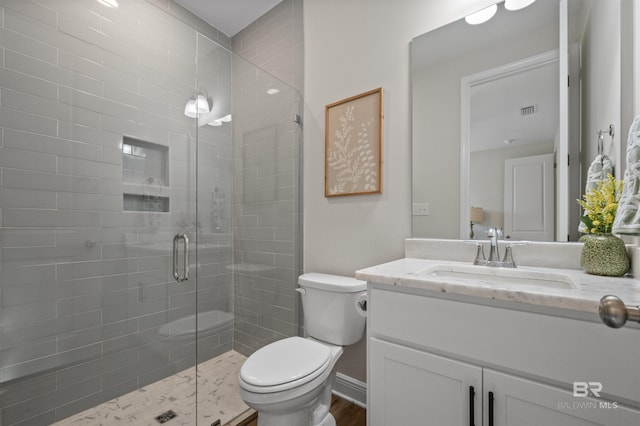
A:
504, 276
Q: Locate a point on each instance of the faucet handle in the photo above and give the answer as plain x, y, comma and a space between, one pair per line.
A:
480, 259
507, 260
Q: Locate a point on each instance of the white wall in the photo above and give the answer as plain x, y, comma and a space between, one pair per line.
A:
352, 46
601, 58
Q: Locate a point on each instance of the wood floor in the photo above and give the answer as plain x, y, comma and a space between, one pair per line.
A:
346, 414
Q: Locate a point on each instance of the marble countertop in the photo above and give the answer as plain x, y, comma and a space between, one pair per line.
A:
584, 296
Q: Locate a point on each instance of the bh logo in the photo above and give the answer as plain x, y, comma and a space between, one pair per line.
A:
585, 389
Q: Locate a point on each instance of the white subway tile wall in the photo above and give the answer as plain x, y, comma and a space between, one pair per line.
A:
84, 285
267, 206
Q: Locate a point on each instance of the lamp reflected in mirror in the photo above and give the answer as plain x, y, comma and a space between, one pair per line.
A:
476, 215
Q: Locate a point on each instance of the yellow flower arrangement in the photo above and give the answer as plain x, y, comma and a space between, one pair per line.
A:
600, 205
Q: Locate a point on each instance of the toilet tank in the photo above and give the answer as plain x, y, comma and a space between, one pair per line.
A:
329, 307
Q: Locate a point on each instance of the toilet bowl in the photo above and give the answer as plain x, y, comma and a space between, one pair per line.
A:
289, 381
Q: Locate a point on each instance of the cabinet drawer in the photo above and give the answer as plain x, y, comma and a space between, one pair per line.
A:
561, 350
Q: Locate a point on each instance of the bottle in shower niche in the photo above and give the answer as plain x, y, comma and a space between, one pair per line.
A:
217, 210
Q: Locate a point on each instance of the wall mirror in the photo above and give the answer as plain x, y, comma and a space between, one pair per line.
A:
505, 115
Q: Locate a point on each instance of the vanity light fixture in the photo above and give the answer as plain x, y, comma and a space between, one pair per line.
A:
481, 16
109, 3
196, 106
517, 4
190, 109
202, 104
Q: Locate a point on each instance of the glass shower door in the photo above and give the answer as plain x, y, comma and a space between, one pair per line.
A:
97, 177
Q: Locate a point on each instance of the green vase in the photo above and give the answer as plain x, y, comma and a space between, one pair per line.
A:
604, 254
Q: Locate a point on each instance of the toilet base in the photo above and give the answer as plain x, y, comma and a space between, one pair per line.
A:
328, 421
314, 409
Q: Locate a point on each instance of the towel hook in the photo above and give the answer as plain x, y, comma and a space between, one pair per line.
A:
600, 142
611, 131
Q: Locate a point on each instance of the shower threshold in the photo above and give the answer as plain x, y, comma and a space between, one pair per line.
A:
217, 391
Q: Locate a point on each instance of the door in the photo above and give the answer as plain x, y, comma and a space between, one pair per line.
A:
411, 387
529, 198
521, 402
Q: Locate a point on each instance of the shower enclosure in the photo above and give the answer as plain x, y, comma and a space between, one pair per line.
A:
149, 209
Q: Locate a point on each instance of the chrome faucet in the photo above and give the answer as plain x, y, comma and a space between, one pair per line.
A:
494, 235
494, 259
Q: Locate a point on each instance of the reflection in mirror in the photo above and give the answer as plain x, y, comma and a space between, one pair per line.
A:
488, 103
512, 113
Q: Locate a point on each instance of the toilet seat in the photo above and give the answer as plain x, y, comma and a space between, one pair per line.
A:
284, 365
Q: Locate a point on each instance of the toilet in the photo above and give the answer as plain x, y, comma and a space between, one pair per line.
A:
289, 382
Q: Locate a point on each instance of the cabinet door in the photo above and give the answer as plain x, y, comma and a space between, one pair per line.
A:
521, 402
411, 387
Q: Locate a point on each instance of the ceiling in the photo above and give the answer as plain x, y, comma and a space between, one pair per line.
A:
228, 16
496, 120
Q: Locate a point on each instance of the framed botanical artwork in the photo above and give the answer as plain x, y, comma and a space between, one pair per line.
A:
353, 145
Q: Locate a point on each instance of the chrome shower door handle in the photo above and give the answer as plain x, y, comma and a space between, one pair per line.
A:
185, 256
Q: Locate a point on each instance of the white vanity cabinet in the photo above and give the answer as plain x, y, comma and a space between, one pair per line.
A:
436, 361
412, 387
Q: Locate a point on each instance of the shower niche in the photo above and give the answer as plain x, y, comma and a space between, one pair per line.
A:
145, 177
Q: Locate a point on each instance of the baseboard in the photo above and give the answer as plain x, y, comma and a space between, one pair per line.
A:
351, 390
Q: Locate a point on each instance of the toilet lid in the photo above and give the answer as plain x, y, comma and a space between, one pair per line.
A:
284, 361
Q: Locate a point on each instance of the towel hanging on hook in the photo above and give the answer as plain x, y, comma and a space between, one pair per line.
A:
600, 168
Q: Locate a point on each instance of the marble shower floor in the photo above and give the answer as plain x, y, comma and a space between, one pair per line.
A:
218, 398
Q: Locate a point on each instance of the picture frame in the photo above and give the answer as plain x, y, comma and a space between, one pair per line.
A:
353, 145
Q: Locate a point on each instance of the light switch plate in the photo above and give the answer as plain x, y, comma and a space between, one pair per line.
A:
421, 209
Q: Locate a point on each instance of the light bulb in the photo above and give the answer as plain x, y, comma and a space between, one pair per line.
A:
202, 104
481, 16
517, 4
190, 109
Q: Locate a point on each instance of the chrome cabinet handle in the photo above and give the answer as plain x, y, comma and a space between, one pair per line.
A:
614, 313
185, 275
